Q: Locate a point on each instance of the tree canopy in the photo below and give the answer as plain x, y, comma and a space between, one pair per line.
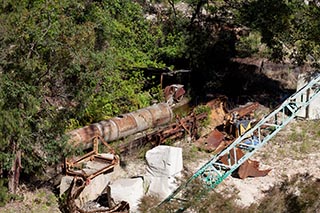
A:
63, 65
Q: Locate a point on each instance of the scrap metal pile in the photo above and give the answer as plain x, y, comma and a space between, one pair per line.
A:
92, 164
154, 125
227, 125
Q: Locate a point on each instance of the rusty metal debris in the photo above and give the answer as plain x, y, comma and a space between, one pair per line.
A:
226, 126
238, 120
92, 164
211, 142
233, 123
151, 126
87, 167
174, 93
182, 126
249, 168
245, 110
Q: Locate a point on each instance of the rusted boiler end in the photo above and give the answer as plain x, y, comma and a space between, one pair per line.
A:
123, 125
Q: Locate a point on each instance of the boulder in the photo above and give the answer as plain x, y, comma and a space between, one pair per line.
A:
164, 165
129, 190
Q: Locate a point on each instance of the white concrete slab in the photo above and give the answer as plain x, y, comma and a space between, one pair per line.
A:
164, 161
129, 190
160, 187
90, 192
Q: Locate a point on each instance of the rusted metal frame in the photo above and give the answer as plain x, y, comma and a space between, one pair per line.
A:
177, 129
111, 150
87, 177
82, 173
192, 121
93, 155
183, 125
172, 131
86, 156
245, 110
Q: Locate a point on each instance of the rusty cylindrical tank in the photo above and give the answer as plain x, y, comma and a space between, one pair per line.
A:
123, 125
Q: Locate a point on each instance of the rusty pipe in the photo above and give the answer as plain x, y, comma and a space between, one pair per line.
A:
123, 125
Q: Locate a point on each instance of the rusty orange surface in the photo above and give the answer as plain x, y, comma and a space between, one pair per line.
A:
249, 168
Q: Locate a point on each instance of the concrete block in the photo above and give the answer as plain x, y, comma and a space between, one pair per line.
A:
130, 190
90, 192
65, 183
94, 189
164, 161
160, 187
164, 165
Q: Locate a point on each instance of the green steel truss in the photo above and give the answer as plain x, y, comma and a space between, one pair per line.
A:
214, 172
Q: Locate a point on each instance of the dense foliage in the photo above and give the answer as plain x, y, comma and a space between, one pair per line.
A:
289, 28
64, 64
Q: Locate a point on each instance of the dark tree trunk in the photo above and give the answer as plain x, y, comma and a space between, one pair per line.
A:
14, 174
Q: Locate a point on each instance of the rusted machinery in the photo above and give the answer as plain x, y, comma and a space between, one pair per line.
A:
175, 130
232, 124
84, 169
157, 120
174, 93
123, 125
239, 119
226, 124
92, 164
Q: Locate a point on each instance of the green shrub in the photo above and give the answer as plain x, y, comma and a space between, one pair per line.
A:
250, 45
203, 109
3, 193
297, 194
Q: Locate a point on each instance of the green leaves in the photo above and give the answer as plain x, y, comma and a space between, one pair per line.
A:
64, 64
289, 28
